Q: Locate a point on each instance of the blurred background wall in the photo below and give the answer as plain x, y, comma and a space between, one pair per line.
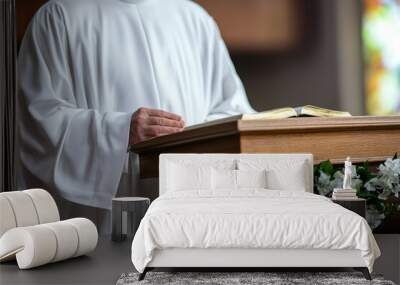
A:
342, 54
305, 70
305, 74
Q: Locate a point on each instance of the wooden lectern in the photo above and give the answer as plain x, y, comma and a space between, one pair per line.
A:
362, 138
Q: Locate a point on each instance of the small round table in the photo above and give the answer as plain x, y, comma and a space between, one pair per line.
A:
127, 212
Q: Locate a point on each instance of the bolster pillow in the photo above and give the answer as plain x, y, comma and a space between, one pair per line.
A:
40, 244
26, 208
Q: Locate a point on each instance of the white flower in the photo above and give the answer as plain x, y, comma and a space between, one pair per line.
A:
380, 185
374, 184
389, 178
324, 179
356, 183
390, 167
323, 183
337, 181
396, 191
391, 170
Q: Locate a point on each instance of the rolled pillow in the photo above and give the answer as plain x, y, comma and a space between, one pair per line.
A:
23, 209
45, 206
87, 234
26, 208
32, 246
67, 240
7, 218
41, 244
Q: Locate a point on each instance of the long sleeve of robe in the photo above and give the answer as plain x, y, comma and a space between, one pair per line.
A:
86, 65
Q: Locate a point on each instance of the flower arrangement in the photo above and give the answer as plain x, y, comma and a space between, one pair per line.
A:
381, 187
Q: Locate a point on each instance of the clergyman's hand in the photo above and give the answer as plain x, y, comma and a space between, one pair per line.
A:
149, 123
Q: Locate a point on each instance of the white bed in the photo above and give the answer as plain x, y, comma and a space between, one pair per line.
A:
198, 223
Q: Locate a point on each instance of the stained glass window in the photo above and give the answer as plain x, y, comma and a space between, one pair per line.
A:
381, 37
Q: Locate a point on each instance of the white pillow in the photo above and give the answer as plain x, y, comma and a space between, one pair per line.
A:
294, 180
282, 174
186, 178
223, 179
236, 179
251, 178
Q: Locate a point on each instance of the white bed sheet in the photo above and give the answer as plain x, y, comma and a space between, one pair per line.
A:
250, 219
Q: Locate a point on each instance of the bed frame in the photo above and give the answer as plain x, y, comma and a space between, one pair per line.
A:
245, 259
256, 259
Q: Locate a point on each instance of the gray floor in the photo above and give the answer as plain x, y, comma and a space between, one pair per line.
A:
106, 264
389, 262
103, 266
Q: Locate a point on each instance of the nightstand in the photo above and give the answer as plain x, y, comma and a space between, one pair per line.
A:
127, 212
358, 206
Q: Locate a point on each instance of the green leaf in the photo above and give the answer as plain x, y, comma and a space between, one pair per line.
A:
316, 171
327, 167
380, 206
370, 196
364, 173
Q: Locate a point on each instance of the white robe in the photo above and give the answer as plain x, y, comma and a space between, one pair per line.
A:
86, 65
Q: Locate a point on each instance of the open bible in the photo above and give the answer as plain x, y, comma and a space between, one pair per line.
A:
288, 112
280, 113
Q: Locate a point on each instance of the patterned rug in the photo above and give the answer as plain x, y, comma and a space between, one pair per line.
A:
243, 278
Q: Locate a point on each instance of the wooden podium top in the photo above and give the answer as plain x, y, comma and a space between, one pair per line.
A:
227, 127
363, 138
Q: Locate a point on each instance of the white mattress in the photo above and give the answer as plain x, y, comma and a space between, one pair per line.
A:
253, 219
